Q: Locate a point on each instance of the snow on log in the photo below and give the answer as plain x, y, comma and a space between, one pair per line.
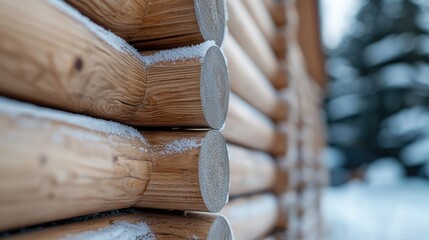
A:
75, 65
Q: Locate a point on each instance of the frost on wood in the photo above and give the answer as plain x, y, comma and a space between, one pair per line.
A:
15, 108
172, 55
118, 230
110, 38
179, 54
181, 145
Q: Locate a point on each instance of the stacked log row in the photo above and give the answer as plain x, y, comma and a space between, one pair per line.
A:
124, 119
306, 87
273, 128
96, 120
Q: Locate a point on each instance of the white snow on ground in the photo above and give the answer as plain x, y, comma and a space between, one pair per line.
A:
358, 211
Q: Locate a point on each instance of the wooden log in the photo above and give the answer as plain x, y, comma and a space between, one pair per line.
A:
159, 24
308, 33
251, 171
283, 176
276, 37
252, 217
248, 127
276, 235
197, 182
247, 34
69, 165
288, 203
75, 65
277, 10
251, 84
55, 165
139, 225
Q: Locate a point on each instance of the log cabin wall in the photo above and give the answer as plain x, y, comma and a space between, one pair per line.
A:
168, 119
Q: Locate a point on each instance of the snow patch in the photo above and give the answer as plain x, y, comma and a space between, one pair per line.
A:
172, 55
15, 109
181, 145
179, 54
110, 38
119, 230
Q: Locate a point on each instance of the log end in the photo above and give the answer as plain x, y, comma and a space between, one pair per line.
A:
220, 229
281, 110
280, 80
213, 171
211, 18
214, 87
281, 142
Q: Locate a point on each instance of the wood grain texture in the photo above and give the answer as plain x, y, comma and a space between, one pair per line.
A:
51, 170
247, 34
161, 225
191, 174
194, 90
159, 24
69, 65
251, 171
67, 168
248, 127
248, 82
252, 217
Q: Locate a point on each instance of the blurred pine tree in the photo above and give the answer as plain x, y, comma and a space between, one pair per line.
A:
378, 100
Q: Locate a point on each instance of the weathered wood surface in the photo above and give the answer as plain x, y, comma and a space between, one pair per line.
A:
74, 65
251, 171
250, 128
159, 24
55, 165
252, 217
247, 34
248, 82
158, 225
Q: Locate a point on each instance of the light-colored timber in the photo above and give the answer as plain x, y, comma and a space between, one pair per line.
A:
55, 165
159, 24
247, 81
248, 127
261, 15
252, 217
278, 11
74, 65
247, 34
197, 182
251, 171
288, 203
150, 225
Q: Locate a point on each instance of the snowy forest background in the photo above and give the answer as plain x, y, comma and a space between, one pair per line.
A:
377, 108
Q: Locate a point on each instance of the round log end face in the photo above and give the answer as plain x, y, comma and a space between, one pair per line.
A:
281, 110
213, 171
211, 18
280, 79
214, 87
220, 230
